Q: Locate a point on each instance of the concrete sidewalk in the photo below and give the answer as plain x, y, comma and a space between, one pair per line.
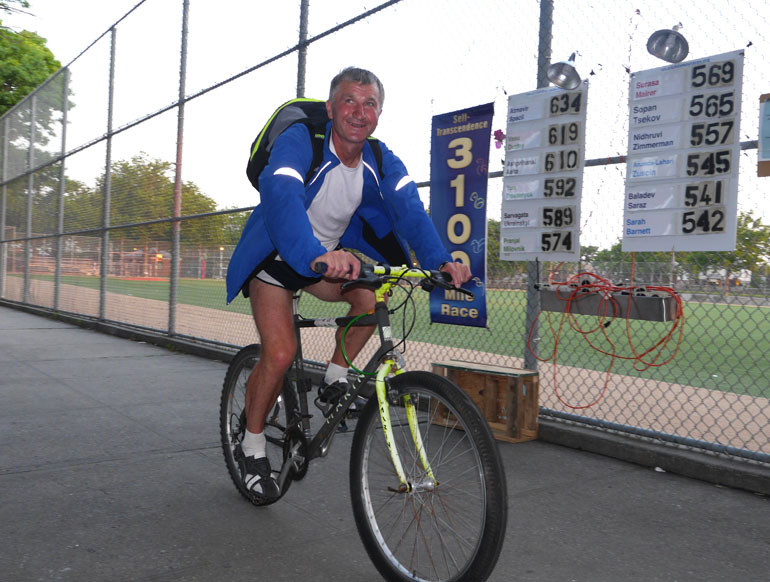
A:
110, 469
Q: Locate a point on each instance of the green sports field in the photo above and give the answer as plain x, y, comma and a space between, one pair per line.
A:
723, 347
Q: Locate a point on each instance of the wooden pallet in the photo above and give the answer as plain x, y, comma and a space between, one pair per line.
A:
507, 397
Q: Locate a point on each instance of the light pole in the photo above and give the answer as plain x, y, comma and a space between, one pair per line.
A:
220, 261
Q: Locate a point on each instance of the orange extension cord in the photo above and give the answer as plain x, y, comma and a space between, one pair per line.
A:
585, 283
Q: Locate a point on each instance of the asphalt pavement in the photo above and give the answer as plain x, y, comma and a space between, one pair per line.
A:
111, 470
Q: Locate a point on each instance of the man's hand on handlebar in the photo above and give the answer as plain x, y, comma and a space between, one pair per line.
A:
460, 272
339, 265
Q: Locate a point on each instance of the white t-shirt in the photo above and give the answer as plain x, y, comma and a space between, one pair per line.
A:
336, 202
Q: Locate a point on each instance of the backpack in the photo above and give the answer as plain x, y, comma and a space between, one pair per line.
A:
310, 113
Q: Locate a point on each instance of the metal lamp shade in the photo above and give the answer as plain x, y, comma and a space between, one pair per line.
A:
564, 75
668, 45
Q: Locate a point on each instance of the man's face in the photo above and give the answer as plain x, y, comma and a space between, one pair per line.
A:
354, 111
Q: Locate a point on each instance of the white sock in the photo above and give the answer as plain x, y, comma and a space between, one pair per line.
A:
253, 444
335, 372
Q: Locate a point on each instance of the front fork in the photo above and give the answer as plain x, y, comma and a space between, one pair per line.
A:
394, 363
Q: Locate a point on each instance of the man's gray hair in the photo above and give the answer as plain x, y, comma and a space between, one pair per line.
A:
356, 75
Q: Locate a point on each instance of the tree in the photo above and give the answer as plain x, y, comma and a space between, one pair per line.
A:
494, 264
234, 224
142, 189
25, 63
588, 254
5, 5
752, 247
82, 206
648, 267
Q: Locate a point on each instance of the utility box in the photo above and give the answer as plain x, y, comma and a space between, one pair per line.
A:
620, 305
507, 397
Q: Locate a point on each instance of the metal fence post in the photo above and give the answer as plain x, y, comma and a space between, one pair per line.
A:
302, 52
30, 187
62, 179
105, 258
533, 267
3, 206
176, 224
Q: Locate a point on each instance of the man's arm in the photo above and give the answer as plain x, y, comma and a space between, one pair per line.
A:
412, 221
282, 196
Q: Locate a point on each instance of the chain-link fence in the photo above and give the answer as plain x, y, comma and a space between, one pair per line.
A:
123, 188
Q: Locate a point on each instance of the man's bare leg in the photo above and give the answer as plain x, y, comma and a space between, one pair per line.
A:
361, 301
271, 307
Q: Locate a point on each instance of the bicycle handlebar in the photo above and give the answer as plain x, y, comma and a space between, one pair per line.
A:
374, 276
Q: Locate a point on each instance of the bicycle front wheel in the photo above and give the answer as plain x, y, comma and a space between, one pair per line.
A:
448, 527
232, 419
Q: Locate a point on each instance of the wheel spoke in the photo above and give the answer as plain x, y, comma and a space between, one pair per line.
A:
233, 420
431, 530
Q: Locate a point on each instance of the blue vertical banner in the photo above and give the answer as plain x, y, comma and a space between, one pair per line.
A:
459, 165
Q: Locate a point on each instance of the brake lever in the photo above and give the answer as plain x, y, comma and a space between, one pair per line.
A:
366, 278
444, 280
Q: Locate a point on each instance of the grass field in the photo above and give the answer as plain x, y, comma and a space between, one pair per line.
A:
724, 347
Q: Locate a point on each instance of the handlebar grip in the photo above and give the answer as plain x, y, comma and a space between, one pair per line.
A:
320, 267
446, 278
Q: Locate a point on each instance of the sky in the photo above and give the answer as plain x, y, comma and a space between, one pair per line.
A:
64, 24
220, 46
433, 56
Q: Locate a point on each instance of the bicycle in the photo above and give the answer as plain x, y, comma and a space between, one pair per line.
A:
427, 484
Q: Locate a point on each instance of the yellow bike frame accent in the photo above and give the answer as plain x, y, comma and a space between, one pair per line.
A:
389, 365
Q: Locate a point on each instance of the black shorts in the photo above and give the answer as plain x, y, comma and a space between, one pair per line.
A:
279, 273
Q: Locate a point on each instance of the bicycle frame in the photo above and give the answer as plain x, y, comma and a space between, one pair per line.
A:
420, 428
386, 361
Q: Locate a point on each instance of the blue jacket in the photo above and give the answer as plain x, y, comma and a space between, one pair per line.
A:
391, 214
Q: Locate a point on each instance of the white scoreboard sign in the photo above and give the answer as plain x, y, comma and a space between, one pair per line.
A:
683, 153
543, 175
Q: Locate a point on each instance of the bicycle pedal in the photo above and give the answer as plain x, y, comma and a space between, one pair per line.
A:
324, 407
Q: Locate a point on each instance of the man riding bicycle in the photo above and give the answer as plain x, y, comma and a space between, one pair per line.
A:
346, 204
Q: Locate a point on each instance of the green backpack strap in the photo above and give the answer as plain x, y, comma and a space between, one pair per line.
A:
317, 139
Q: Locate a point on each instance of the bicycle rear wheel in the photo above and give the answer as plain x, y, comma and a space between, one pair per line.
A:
451, 528
232, 419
